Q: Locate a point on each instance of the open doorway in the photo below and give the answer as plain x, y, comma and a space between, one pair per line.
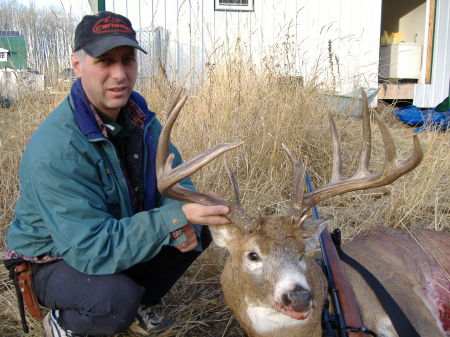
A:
406, 49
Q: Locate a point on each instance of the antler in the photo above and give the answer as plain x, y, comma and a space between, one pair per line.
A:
168, 177
362, 179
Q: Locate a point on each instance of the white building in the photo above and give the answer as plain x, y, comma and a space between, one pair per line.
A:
3, 55
336, 40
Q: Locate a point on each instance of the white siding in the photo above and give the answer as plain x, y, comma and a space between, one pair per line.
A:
199, 34
430, 95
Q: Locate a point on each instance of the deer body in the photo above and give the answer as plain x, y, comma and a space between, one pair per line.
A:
275, 289
413, 274
412, 277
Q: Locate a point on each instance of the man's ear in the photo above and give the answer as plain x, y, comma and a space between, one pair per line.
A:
76, 65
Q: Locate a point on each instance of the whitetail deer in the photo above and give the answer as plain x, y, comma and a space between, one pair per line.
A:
275, 290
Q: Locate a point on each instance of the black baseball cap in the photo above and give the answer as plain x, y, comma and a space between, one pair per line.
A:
96, 34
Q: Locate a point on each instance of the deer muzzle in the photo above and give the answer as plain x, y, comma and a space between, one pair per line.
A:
297, 299
296, 303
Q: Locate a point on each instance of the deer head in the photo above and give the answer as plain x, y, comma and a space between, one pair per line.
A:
268, 281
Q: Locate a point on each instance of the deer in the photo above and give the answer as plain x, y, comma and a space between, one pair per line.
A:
271, 280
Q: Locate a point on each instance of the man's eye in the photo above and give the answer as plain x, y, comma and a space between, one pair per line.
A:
252, 256
127, 60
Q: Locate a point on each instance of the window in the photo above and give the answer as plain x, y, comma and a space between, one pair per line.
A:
3, 55
233, 5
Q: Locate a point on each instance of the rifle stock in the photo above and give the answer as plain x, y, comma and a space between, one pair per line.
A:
344, 302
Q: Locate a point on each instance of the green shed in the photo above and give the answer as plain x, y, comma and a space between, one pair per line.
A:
13, 52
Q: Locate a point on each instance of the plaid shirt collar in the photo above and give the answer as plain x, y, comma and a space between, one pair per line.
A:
132, 112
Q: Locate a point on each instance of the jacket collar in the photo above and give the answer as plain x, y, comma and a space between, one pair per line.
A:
84, 114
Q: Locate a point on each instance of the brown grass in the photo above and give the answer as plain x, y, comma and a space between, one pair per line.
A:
237, 103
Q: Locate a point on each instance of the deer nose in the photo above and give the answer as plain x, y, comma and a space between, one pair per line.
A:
297, 299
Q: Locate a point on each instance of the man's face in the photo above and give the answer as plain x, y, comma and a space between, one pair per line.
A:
109, 79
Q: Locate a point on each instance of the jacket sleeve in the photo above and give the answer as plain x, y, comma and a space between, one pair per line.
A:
72, 204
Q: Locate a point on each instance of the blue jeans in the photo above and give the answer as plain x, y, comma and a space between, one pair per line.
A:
99, 305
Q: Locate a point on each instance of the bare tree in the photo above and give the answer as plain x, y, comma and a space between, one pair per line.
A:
48, 34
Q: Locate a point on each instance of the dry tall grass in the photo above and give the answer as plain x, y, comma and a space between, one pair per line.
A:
237, 103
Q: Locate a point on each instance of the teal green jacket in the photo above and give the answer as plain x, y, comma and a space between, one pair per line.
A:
74, 200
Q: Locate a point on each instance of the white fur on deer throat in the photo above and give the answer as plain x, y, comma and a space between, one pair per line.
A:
266, 319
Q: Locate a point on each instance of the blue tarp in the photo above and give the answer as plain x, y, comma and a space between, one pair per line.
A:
425, 120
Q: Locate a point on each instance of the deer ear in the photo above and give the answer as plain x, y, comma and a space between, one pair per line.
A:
313, 229
221, 234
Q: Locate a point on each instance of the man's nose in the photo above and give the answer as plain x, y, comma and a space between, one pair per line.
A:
118, 71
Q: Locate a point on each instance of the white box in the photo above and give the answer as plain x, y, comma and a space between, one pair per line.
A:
400, 60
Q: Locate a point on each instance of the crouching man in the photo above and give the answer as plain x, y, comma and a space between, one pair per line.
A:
103, 245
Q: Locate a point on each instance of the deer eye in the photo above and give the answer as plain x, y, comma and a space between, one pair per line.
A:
252, 256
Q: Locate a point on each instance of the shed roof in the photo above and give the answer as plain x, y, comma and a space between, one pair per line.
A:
10, 33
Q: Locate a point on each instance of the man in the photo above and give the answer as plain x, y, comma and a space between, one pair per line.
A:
104, 245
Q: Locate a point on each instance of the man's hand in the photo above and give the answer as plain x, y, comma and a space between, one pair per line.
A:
206, 215
199, 214
191, 238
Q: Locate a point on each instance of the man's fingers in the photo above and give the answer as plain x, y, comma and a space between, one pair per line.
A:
191, 239
215, 210
206, 215
189, 232
215, 220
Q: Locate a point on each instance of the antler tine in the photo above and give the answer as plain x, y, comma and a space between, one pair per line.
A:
336, 173
169, 177
390, 169
298, 188
298, 180
238, 214
363, 179
233, 182
175, 100
364, 158
164, 137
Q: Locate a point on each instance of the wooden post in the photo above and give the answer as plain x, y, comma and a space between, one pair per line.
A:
431, 20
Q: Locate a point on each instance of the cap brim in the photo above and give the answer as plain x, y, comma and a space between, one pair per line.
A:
110, 42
